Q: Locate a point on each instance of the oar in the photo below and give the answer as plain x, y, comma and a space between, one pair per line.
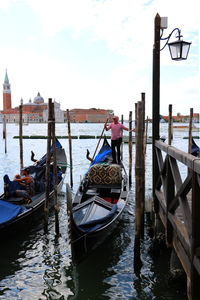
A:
99, 140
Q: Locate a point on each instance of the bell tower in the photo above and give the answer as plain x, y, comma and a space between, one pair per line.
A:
6, 93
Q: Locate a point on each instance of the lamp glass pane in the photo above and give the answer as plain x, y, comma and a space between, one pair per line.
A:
175, 50
185, 50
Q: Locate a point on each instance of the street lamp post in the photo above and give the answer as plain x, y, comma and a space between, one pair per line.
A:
179, 51
156, 102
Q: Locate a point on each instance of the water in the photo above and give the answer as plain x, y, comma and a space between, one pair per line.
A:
35, 265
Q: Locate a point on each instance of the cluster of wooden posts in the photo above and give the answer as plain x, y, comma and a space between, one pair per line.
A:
51, 141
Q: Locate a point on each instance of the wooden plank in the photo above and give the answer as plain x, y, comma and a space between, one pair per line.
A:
187, 159
161, 199
183, 202
162, 216
196, 165
170, 191
197, 251
182, 255
181, 232
162, 172
196, 263
195, 244
183, 191
195, 212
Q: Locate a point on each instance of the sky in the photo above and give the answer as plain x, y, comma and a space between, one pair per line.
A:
98, 53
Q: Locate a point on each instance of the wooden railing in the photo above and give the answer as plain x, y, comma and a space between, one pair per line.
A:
177, 203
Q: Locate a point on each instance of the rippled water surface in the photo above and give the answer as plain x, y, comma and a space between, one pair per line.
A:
35, 265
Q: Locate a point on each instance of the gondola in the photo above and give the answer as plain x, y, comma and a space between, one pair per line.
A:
195, 149
97, 205
16, 214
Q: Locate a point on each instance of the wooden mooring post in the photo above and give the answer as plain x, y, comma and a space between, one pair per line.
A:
190, 131
48, 159
170, 126
55, 181
143, 149
139, 183
146, 134
4, 132
122, 121
51, 140
70, 149
130, 148
20, 137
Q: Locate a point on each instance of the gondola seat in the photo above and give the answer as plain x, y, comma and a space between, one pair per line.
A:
107, 175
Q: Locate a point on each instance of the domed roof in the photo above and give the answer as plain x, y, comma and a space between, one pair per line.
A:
38, 99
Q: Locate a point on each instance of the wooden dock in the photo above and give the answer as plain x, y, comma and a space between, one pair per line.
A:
177, 204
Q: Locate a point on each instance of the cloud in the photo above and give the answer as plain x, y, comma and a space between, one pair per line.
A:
126, 28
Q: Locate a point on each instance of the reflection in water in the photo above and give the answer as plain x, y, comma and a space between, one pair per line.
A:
95, 276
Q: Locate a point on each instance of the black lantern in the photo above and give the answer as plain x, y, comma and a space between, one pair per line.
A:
179, 49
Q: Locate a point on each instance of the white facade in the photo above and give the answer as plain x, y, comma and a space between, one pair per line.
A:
59, 114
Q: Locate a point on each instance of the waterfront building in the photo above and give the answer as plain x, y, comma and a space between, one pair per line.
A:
35, 111
92, 115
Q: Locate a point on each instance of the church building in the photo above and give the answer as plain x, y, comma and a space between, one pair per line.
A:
33, 112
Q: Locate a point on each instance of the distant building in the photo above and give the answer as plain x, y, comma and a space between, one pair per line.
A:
92, 115
183, 119
33, 112
59, 114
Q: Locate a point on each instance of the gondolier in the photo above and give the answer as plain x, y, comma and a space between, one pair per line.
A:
116, 138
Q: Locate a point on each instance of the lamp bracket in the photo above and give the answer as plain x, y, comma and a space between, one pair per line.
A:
169, 36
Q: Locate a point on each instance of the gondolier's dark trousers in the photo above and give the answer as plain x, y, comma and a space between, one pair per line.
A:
116, 144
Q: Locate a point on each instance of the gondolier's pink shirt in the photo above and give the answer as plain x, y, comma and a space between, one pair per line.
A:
116, 130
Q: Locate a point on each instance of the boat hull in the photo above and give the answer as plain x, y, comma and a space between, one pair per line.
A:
87, 243
25, 220
82, 244
16, 216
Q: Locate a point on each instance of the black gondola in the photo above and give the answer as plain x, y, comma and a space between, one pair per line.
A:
16, 214
195, 149
98, 204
